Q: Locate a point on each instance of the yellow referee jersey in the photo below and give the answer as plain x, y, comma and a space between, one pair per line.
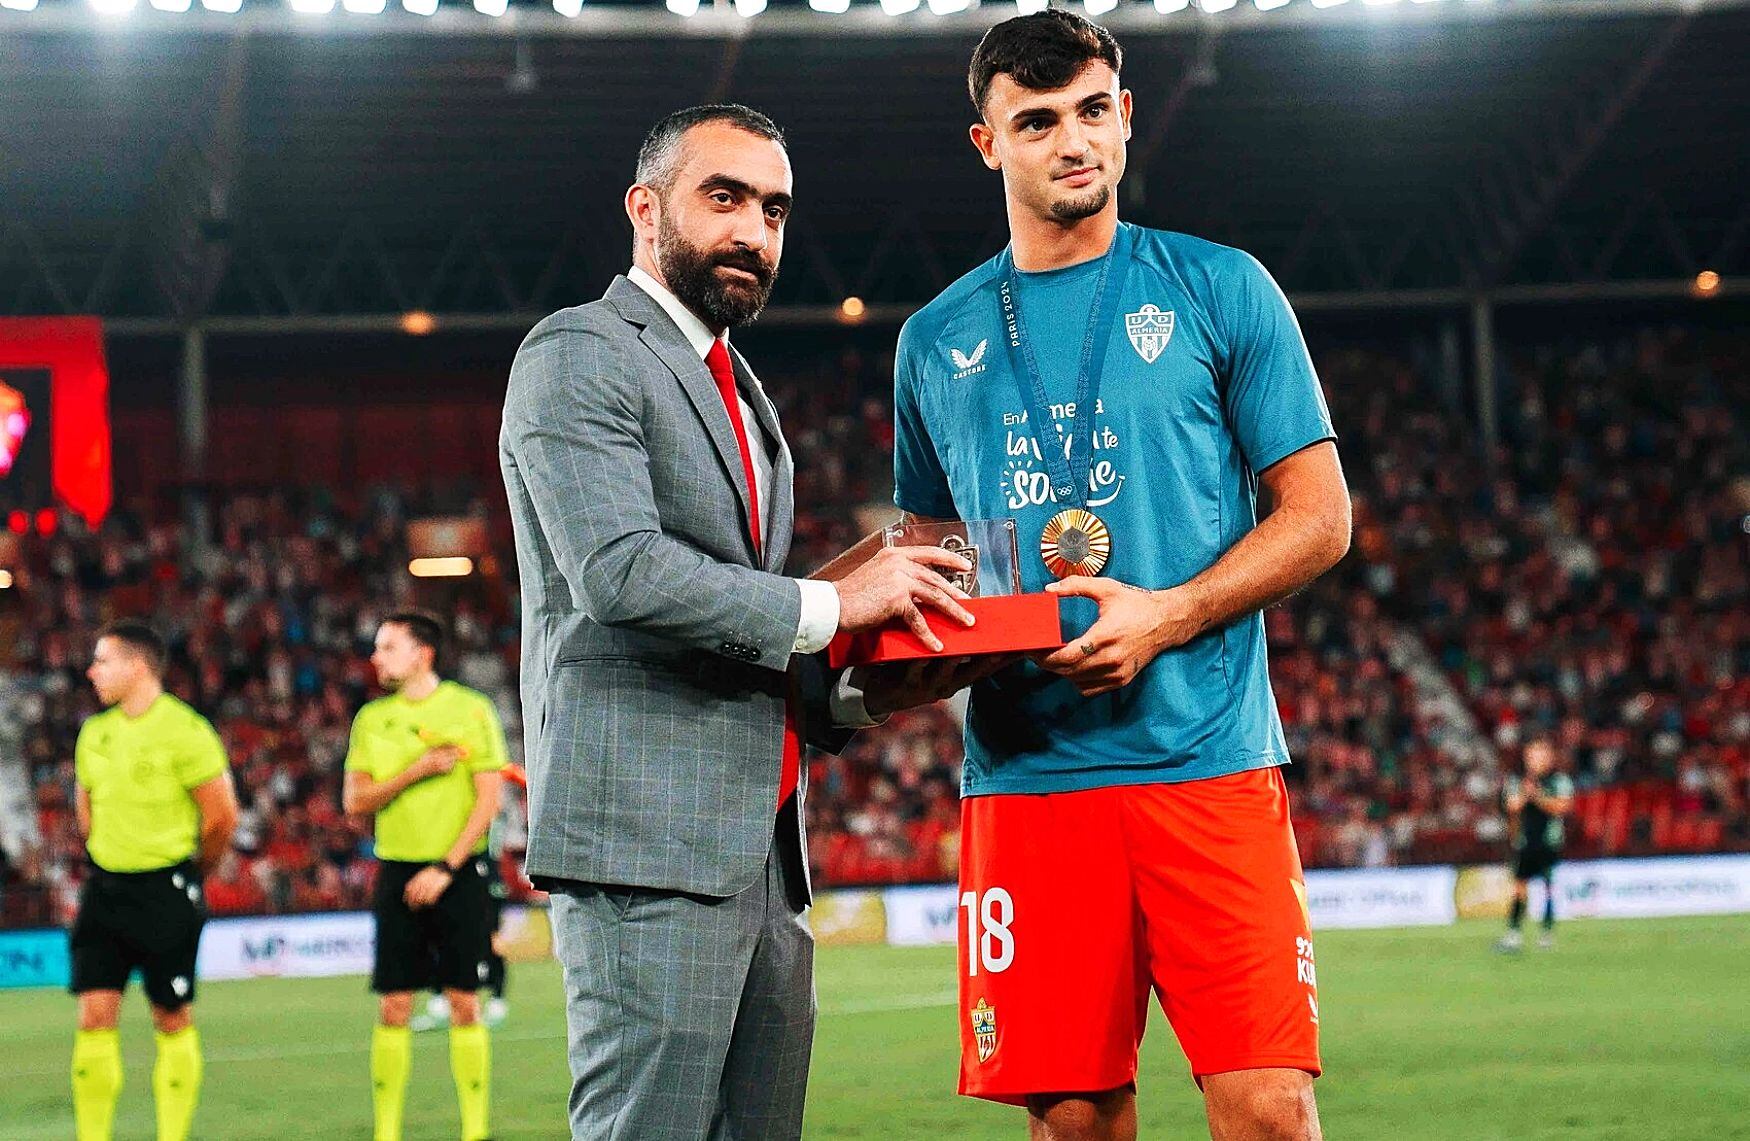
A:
390, 733
138, 772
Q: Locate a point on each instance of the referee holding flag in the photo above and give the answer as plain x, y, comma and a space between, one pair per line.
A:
156, 805
426, 761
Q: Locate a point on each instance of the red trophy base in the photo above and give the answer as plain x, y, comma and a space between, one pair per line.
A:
1007, 624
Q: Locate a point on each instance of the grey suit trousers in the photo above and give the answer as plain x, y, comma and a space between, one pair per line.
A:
691, 1017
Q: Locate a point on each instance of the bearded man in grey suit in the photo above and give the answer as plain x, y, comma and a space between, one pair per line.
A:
670, 670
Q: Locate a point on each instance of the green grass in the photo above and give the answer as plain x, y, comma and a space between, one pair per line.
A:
1631, 1030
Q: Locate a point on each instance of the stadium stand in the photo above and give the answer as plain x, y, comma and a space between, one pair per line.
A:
1590, 583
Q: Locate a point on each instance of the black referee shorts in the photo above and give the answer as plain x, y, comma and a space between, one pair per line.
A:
1534, 863
496, 894
149, 920
441, 947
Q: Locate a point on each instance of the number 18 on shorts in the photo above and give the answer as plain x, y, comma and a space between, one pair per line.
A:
1075, 907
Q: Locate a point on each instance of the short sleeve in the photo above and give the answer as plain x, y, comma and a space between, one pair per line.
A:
202, 756
490, 753
362, 752
919, 484
1272, 400
82, 756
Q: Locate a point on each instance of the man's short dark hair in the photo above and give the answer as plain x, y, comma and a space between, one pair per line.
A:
659, 157
425, 627
1041, 52
139, 637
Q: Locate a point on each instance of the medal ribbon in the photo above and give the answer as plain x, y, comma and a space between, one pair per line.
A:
1069, 474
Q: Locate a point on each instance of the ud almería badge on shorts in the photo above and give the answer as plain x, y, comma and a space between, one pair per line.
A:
984, 1029
1075, 542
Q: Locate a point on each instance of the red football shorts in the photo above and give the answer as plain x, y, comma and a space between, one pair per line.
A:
1073, 906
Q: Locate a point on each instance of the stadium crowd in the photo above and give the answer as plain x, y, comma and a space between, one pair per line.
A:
270, 612
1590, 584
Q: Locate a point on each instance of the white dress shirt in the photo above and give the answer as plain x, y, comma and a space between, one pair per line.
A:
820, 600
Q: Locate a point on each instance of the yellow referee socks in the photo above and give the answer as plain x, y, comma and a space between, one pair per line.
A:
176, 1082
97, 1082
391, 1062
471, 1066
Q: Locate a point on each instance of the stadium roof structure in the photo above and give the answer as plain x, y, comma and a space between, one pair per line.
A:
269, 168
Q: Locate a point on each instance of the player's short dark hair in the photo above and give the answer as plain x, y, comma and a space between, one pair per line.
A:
142, 639
1042, 52
659, 157
426, 628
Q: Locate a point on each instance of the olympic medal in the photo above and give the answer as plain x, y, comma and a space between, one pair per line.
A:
1075, 542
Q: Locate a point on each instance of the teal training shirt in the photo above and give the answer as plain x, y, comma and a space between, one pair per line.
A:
1206, 382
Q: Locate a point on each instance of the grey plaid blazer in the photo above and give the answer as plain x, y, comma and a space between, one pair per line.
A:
656, 650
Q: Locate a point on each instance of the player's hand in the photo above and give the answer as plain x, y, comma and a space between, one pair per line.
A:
891, 686
436, 762
426, 887
1135, 626
897, 582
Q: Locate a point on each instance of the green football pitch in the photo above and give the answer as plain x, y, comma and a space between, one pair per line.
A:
1631, 1030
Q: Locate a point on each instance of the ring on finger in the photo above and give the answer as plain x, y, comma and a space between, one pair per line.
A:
1087, 649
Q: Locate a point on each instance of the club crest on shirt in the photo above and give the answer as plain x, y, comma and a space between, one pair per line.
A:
984, 1029
966, 364
1150, 330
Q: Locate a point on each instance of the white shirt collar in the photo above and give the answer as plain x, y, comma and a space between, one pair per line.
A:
695, 330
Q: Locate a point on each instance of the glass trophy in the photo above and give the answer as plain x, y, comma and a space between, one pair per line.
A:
988, 544
1007, 621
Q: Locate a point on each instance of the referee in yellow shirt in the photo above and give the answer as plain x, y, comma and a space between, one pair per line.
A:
425, 760
156, 805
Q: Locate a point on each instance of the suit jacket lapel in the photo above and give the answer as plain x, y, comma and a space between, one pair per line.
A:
778, 516
660, 334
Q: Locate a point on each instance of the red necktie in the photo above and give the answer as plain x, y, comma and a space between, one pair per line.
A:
717, 360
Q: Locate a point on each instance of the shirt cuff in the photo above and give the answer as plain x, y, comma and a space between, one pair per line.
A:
846, 706
820, 615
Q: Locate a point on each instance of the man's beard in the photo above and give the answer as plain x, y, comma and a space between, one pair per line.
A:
1075, 209
690, 273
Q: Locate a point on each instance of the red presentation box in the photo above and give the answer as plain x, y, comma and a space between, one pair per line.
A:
1007, 624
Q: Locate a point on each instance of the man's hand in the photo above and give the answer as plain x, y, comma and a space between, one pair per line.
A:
427, 886
892, 686
895, 583
1135, 626
440, 760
